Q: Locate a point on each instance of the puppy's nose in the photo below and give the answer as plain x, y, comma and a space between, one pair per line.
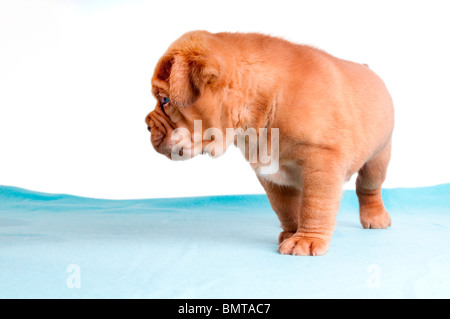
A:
148, 121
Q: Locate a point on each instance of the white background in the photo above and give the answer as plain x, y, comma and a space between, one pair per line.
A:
75, 88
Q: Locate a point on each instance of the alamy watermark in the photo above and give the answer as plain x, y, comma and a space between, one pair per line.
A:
74, 278
254, 144
374, 279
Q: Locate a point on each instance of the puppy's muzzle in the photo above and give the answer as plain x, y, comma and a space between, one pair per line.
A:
161, 128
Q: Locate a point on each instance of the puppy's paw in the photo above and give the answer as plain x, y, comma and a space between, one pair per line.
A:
375, 220
299, 245
285, 235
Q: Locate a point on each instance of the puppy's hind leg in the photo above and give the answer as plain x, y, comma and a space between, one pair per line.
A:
285, 201
368, 189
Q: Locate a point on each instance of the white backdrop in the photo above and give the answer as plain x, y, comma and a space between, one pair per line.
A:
75, 88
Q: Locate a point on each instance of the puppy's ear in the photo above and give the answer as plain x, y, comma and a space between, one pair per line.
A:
183, 90
189, 76
205, 70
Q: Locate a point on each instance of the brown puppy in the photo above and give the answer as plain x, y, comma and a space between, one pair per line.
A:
334, 118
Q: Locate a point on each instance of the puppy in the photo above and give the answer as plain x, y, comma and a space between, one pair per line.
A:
333, 118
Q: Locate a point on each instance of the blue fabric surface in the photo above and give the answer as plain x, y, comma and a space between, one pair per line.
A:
216, 247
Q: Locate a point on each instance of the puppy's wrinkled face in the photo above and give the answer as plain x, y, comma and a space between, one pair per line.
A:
187, 90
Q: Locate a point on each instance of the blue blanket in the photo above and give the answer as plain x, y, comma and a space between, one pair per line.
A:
62, 246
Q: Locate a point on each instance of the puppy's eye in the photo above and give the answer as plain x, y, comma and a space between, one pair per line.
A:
164, 100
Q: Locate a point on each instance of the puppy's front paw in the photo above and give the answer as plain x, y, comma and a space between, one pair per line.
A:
299, 245
377, 220
285, 235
